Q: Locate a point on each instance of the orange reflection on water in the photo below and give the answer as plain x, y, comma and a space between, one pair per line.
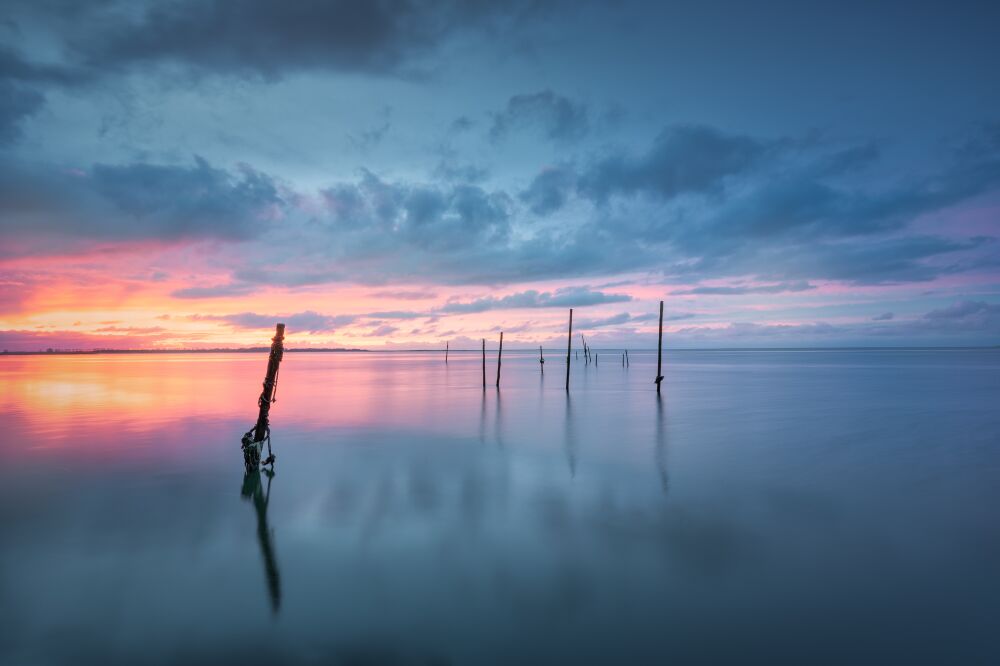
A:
108, 404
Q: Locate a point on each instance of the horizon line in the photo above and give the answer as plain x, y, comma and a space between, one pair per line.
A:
322, 350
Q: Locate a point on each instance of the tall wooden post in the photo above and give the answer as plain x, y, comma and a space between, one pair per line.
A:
446, 345
253, 441
541, 359
499, 354
270, 383
484, 364
569, 346
659, 353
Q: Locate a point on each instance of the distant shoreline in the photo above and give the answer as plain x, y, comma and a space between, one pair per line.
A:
264, 350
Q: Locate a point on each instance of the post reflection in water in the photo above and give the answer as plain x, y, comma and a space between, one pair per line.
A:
253, 490
570, 438
660, 450
497, 424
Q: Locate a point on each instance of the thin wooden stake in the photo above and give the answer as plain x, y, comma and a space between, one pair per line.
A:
659, 354
626, 358
499, 354
541, 359
484, 364
569, 346
446, 345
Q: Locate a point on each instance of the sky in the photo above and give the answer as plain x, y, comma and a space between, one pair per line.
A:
184, 174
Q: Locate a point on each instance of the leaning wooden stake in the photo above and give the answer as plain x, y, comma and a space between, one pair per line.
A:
499, 354
484, 364
569, 346
446, 345
659, 353
253, 441
626, 358
541, 359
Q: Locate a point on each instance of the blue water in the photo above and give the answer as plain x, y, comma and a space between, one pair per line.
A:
770, 507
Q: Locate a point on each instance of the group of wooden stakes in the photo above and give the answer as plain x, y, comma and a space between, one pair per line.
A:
569, 351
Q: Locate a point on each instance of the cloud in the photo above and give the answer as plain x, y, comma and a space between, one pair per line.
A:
397, 314
308, 321
214, 291
137, 201
16, 103
374, 216
967, 312
383, 330
549, 190
554, 116
567, 297
885, 316
626, 318
778, 288
266, 39
682, 159
405, 294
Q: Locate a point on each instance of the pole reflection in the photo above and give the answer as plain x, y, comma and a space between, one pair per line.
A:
254, 491
660, 449
570, 438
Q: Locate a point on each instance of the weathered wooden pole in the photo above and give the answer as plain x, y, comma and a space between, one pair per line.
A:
569, 346
253, 440
499, 354
659, 353
541, 359
626, 358
446, 345
484, 364
623, 359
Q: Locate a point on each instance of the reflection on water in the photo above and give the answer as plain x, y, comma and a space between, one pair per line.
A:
823, 507
252, 491
660, 450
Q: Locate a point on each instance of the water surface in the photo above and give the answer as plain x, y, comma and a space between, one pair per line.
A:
794, 506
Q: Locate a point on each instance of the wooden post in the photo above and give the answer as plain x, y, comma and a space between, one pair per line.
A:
569, 346
253, 440
484, 364
446, 345
499, 354
623, 359
541, 359
626, 358
659, 353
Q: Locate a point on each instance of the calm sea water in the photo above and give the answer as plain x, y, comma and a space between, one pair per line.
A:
806, 507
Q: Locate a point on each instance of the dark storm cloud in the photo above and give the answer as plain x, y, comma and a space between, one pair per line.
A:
889, 261
16, 103
549, 190
568, 297
554, 116
378, 215
136, 201
269, 39
682, 159
778, 288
